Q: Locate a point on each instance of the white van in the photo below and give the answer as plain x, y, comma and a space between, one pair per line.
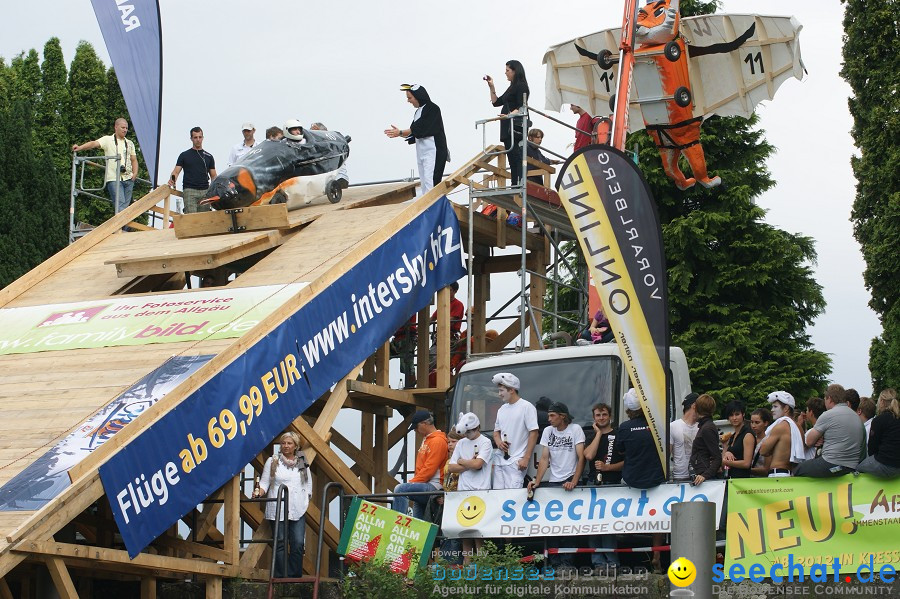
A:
578, 376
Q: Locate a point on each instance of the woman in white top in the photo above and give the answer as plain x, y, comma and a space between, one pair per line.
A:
287, 468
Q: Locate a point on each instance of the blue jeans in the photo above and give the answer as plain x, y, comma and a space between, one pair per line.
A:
296, 534
124, 189
401, 503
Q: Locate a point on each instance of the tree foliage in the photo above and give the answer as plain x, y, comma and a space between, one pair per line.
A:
872, 68
44, 109
741, 292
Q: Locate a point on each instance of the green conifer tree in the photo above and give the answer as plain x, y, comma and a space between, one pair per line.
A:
872, 68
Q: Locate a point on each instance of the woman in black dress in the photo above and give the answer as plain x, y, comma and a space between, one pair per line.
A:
511, 102
737, 456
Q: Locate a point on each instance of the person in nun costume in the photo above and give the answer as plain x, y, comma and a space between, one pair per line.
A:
427, 132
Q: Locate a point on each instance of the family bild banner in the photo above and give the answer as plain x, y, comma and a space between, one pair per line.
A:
375, 532
47, 476
813, 521
222, 313
581, 511
132, 31
209, 437
615, 220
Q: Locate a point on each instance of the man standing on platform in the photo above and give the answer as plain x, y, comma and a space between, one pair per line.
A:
247, 129
199, 169
515, 433
119, 185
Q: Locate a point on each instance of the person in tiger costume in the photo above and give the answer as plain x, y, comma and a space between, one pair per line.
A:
671, 123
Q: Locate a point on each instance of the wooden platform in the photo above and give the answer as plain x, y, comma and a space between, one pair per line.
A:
45, 396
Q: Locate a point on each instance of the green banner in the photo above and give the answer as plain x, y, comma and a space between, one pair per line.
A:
219, 313
375, 532
808, 521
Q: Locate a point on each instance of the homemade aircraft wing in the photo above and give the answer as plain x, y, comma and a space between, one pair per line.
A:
725, 80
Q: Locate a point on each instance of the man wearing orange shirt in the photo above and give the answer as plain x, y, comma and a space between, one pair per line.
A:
430, 461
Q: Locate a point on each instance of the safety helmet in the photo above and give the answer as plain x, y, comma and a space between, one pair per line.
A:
292, 124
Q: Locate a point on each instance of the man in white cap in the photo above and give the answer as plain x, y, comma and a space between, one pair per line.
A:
515, 433
247, 129
471, 459
783, 440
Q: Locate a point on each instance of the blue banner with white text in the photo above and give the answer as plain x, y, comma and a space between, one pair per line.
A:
132, 31
200, 444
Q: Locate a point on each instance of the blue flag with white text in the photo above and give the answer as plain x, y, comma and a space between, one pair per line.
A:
133, 34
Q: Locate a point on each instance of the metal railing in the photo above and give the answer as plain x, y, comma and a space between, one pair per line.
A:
526, 311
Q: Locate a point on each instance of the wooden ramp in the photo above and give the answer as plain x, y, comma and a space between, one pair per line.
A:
45, 396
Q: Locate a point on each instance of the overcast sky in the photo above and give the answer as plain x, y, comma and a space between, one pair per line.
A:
226, 62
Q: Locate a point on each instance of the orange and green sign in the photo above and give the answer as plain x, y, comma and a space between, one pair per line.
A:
375, 532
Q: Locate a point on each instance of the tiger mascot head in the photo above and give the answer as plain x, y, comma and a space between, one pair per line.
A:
657, 22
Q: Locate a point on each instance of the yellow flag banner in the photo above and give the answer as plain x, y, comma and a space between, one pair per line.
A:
615, 221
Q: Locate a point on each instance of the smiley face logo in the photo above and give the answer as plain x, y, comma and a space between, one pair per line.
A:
682, 572
471, 511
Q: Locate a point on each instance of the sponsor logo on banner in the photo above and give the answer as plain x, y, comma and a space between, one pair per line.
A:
209, 437
615, 220
191, 316
375, 532
47, 476
851, 521
581, 511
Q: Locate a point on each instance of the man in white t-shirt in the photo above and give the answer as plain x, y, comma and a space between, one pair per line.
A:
248, 131
563, 456
515, 433
681, 438
471, 459
563, 452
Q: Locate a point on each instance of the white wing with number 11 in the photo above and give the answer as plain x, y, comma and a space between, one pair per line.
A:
725, 80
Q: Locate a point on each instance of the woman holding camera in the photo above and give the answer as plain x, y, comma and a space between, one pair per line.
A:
511, 102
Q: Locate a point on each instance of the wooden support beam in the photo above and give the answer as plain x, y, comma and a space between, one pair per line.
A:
367, 446
61, 579
422, 347
330, 462
396, 398
443, 338
359, 458
383, 365
52, 517
214, 587
254, 551
536, 262
142, 561
508, 334
191, 548
380, 468
232, 525
148, 587
5, 593
207, 521
332, 534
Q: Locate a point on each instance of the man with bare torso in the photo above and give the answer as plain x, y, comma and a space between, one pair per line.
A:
783, 440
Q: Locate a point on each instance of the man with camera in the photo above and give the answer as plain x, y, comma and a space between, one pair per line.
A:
119, 185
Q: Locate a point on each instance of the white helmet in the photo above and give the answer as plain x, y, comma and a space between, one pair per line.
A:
292, 124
